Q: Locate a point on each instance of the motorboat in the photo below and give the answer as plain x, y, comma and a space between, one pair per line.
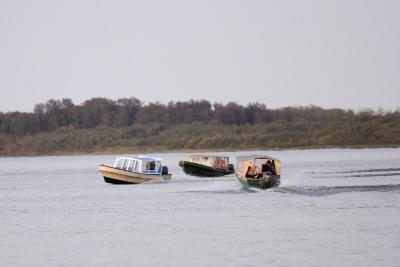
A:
207, 166
260, 171
135, 170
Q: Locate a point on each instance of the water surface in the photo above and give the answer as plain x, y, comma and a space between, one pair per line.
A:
335, 207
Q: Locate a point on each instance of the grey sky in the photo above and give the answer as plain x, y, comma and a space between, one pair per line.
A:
329, 53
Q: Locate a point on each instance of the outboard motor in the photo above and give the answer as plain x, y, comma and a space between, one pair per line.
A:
164, 170
231, 167
265, 182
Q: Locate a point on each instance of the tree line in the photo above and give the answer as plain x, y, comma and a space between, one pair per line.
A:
125, 112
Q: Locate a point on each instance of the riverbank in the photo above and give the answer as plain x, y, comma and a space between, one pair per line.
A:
198, 137
121, 151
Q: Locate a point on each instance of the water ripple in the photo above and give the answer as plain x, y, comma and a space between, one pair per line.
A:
331, 190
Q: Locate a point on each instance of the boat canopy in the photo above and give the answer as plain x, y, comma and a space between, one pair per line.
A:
139, 164
211, 161
244, 162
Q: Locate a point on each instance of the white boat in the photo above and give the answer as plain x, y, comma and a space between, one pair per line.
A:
135, 170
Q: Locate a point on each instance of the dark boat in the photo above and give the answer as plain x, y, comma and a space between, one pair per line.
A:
207, 166
259, 171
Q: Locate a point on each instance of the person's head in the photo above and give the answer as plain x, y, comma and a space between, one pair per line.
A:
269, 162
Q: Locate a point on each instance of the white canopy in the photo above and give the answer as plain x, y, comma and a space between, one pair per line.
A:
244, 162
139, 164
211, 161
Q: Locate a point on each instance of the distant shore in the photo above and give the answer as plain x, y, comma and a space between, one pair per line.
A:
110, 141
194, 138
104, 126
138, 152
119, 151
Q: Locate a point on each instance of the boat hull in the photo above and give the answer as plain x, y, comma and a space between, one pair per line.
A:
118, 176
262, 183
195, 169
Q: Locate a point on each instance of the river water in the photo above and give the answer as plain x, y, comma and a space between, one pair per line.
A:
335, 207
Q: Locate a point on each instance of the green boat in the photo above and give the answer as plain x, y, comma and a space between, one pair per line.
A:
260, 171
207, 166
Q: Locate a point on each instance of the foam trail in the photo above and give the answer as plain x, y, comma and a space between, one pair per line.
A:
327, 190
355, 171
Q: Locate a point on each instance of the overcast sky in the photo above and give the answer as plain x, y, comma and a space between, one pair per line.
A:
337, 53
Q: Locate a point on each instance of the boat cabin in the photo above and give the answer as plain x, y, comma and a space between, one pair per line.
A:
255, 166
211, 161
139, 164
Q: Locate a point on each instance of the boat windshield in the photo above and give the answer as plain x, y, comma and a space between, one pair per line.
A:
151, 167
139, 165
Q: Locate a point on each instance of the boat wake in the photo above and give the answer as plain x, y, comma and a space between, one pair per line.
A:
382, 172
366, 170
221, 187
202, 180
243, 190
332, 190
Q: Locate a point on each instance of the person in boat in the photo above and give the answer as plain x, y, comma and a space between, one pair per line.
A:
269, 167
253, 172
250, 172
151, 165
